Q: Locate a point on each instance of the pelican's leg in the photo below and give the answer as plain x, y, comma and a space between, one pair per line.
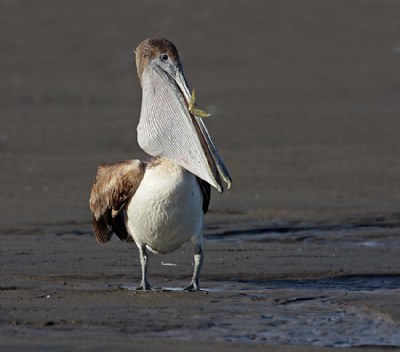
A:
198, 262
144, 260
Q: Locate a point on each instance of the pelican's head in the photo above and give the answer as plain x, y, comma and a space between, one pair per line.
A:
168, 125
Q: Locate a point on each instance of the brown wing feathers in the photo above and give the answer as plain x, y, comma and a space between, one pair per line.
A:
114, 185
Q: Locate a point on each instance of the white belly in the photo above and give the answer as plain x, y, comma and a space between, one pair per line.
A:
166, 210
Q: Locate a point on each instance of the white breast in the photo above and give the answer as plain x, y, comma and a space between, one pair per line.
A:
166, 210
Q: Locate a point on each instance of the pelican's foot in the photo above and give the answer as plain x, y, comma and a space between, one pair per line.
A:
147, 287
193, 287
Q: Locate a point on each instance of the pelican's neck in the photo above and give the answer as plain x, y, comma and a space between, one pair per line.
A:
168, 166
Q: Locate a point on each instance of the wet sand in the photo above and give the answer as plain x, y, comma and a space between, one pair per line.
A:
302, 253
67, 291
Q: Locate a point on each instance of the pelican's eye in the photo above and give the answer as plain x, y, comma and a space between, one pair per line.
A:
164, 57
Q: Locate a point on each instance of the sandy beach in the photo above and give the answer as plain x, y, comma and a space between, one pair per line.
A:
303, 254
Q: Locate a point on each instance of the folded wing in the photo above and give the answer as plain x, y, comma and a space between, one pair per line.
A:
115, 184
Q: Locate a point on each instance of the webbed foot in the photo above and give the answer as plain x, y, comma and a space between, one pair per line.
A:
193, 287
146, 287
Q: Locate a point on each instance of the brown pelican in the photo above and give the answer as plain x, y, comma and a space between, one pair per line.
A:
160, 204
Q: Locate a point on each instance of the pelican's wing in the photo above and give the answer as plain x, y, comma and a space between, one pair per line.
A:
206, 192
115, 184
